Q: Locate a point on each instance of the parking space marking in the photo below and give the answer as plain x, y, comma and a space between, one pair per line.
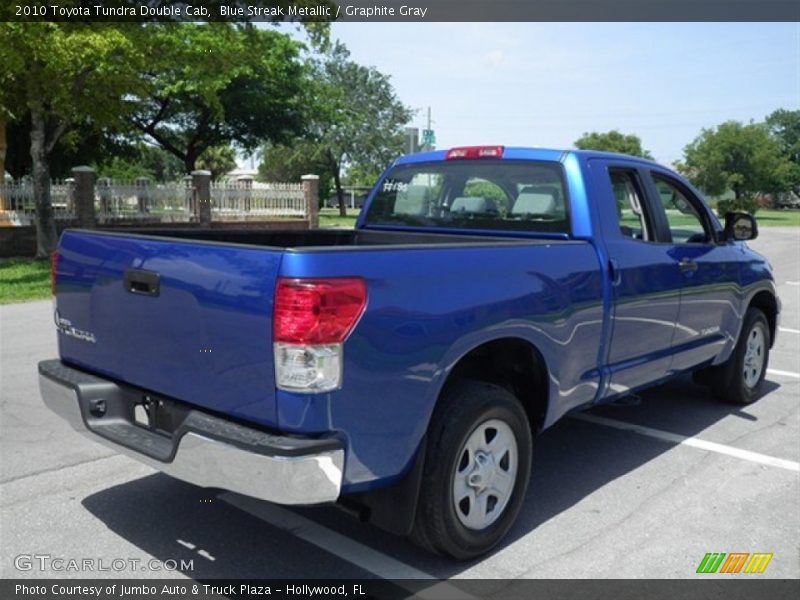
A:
788, 330
780, 373
675, 438
362, 556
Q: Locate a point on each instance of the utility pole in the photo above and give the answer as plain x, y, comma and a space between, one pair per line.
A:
428, 137
429, 118
412, 140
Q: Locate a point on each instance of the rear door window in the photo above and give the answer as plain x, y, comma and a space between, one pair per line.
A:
634, 220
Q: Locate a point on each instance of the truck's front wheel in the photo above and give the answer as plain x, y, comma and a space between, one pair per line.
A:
476, 472
739, 380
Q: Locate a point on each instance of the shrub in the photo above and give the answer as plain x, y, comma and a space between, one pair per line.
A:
744, 204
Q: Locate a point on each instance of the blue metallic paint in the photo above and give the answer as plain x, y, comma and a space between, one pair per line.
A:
427, 307
413, 331
206, 338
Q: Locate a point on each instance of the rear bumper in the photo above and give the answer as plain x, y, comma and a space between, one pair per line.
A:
192, 445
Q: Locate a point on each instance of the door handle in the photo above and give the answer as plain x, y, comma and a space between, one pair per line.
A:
687, 265
145, 283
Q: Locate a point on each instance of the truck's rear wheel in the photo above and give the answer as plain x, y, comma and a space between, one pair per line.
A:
476, 472
739, 379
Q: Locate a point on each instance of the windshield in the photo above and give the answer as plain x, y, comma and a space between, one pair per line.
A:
473, 194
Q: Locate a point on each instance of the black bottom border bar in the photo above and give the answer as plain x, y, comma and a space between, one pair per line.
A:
732, 588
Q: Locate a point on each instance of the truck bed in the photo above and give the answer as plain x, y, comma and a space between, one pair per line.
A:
197, 325
322, 239
203, 332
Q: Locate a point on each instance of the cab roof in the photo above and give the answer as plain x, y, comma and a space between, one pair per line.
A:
523, 153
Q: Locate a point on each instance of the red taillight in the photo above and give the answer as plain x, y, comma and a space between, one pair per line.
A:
317, 311
468, 152
53, 270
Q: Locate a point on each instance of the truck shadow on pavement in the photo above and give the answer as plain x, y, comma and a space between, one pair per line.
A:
168, 519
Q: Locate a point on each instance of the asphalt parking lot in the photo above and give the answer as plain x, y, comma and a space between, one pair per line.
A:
643, 488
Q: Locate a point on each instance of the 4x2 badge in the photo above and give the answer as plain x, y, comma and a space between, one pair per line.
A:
65, 327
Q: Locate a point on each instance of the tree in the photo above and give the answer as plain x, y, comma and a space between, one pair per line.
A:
3, 145
613, 141
83, 144
283, 163
139, 160
216, 84
784, 125
61, 75
358, 119
362, 175
217, 159
738, 157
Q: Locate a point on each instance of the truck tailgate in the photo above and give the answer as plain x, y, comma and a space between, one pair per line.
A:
189, 320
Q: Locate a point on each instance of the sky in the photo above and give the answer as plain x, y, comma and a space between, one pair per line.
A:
544, 84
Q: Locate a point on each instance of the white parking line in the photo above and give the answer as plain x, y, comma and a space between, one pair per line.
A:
377, 563
755, 457
793, 283
791, 374
364, 557
788, 330
201, 552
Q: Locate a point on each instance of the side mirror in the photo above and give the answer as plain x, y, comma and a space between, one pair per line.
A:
740, 227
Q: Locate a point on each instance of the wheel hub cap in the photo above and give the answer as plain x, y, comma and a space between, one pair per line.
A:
754, 357
485, 474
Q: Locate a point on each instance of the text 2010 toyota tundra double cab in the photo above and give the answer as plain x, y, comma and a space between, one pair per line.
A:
402, 369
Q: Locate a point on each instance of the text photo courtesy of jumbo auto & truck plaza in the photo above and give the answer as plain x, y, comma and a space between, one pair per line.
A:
437, 299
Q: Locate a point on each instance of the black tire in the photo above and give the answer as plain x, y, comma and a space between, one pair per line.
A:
730, 382
702, 376
462, 411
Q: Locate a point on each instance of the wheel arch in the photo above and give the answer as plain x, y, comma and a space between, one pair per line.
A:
767, 302
394, 508
511, 362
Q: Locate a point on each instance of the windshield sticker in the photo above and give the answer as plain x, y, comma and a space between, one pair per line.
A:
390, 185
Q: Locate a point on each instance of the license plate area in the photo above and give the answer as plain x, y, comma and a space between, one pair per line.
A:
158, 414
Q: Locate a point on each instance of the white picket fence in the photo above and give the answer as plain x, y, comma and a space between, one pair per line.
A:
163, 202
18, 206
245, 199
139, 201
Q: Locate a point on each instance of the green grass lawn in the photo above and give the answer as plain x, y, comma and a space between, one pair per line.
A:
24, 279
769, 217
329, 217
766, 217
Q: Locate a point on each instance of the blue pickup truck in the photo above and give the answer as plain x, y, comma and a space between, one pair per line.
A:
403, 369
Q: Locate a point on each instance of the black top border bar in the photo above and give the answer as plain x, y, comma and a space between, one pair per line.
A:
403, 11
